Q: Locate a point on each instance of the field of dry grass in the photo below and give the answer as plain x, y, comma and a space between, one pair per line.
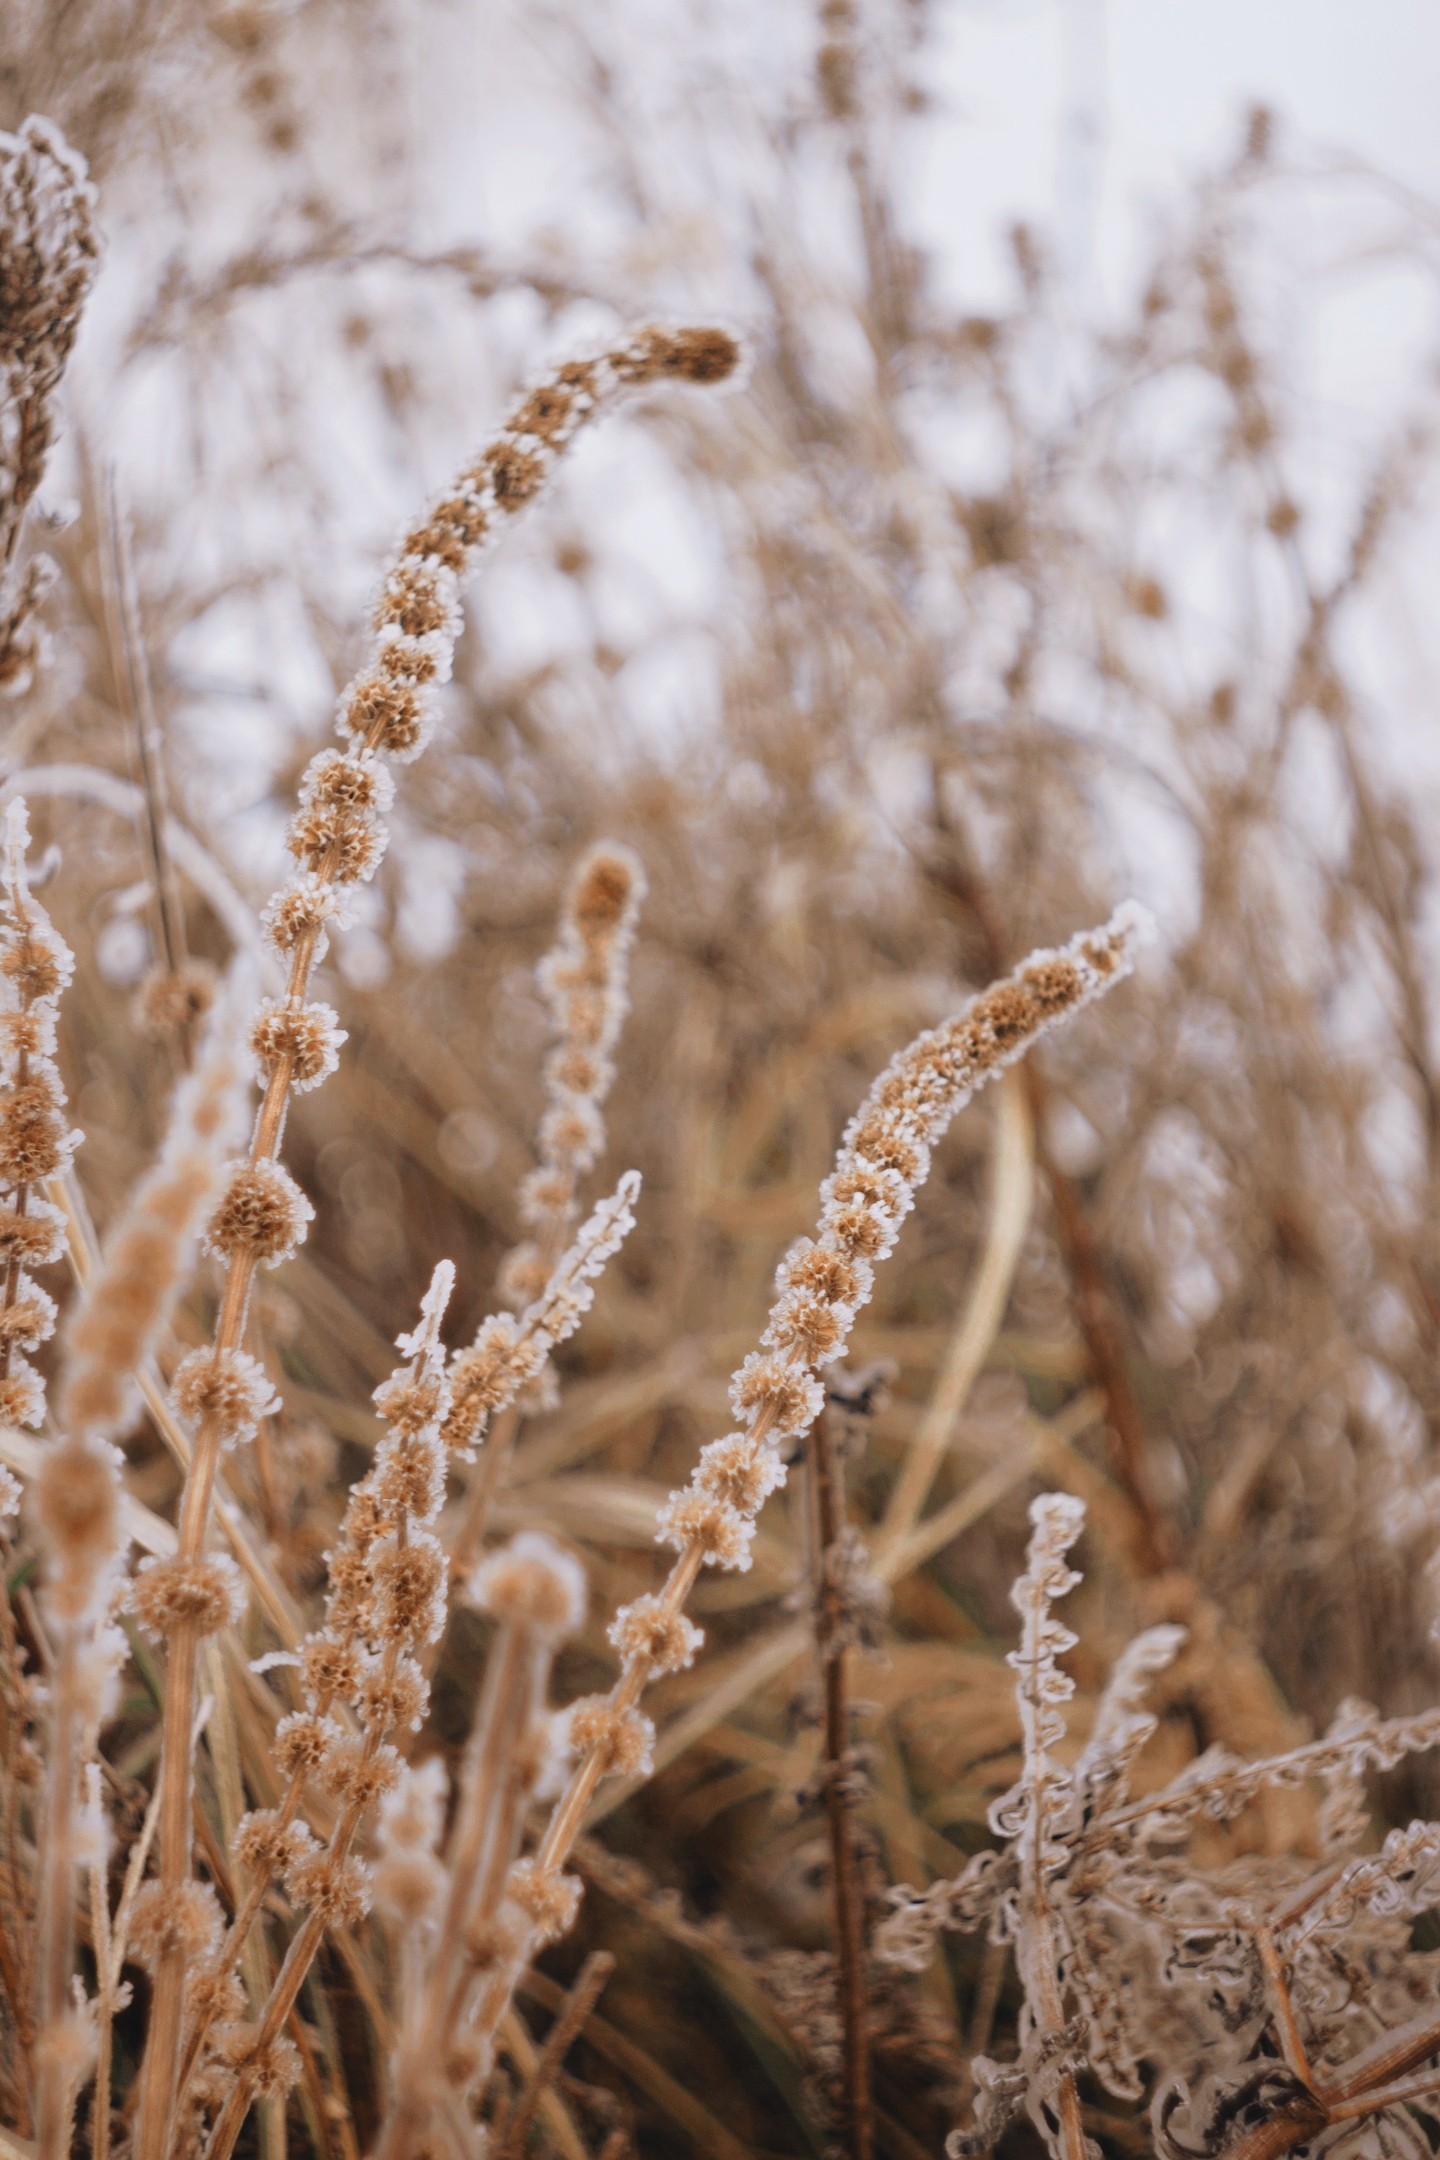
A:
1031, 1586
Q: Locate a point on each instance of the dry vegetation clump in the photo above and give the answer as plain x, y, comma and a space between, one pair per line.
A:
611, 1728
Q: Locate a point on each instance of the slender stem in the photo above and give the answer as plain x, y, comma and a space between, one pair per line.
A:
131, 669
490, 1473
482, 1849
55, 2084
247, 1912
1089, 1297
159, 2077
14, 1958
105, 1978
1090, 1302
572, 2014
827, 1488
1292, 2045
1039, 1941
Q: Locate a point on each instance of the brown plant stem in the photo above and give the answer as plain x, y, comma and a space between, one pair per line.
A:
14, 1958
570, 2017
826, 1483
1089, 1295
1094, 1316
56, 1918
490, 1472
1292, 2046
482, 1850
130, 668
155, 2117
1365, 2085
246, 1913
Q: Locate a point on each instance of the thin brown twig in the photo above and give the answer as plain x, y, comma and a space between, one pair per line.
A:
131, 669
1291, 2044
575, 2009
1089, 1295
826, 1484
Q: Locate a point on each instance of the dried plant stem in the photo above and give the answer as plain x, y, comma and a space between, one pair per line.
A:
1091, 1304
1039, 1957
288, 1982
827, 1491
1040, 1688
569, 2019
495, 1460
984, 1310
1292, 2046
247, 1912
110, 1940
55, 2082
83, 1253
557, 2122
482, 1849
158, 2079
1365, 2086
104, 1965
1090, 1298
131, 669
15, 1973
568, 1817
1398, 2095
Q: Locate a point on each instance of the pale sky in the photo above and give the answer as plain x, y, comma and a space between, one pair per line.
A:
1166, 80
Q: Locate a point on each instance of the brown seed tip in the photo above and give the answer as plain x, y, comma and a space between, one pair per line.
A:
172, 1004
608, 882
703, 354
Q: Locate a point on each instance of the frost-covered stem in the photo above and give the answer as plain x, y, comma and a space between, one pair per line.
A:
536, 1593
482, 1850
338, 837
162, 2047
1040, 1686
159, 2074
299, 1957
827, 1488
884, 1157
246, 1914
56, 2065
282, 1999
583, 980
403, 1491
74, 1494
568, 1817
